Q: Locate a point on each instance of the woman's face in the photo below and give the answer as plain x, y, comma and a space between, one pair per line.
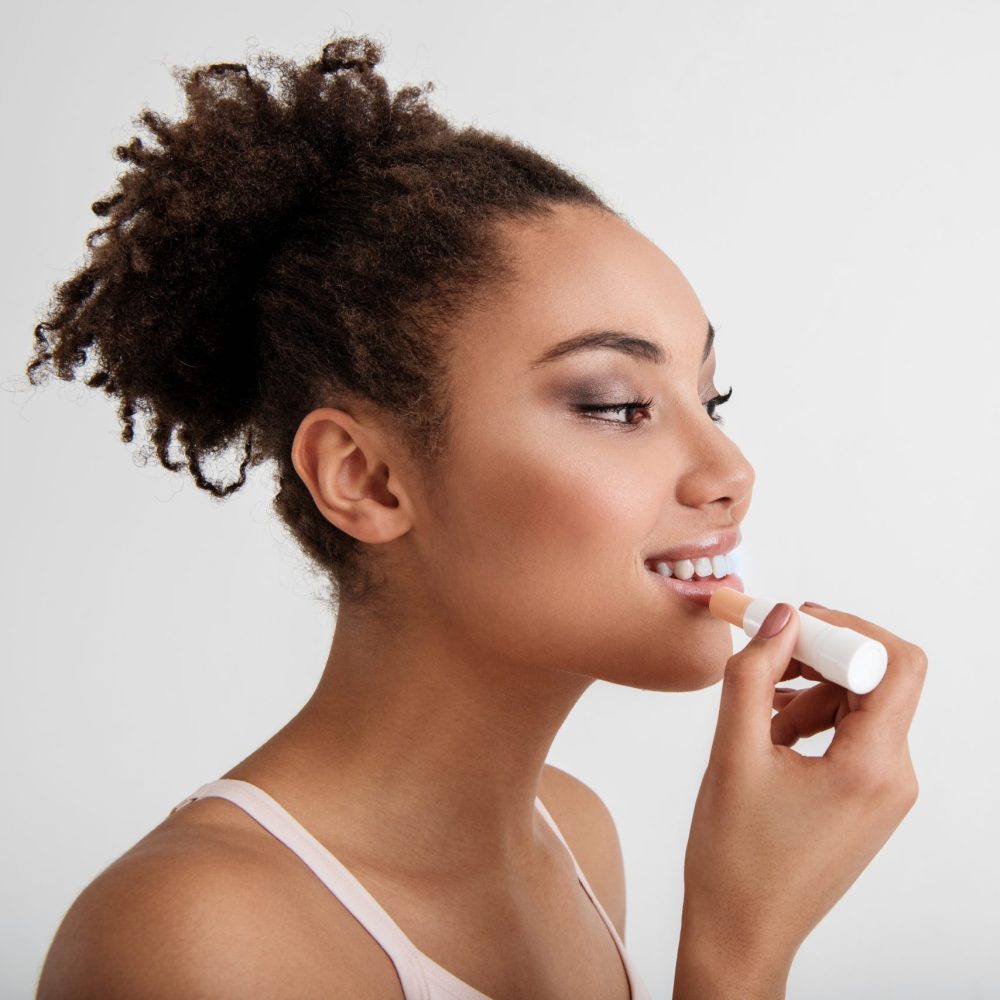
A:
533, 548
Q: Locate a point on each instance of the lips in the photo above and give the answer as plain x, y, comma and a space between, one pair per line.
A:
700, 591
711, 545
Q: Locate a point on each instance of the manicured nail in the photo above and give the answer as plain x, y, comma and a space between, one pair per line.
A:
813, 604
776, 620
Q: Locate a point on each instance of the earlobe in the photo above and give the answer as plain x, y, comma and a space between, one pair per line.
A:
346, 467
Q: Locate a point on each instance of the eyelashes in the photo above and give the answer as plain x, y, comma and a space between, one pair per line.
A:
647, 404
716, 402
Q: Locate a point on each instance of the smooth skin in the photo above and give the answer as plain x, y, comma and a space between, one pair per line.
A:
513, 580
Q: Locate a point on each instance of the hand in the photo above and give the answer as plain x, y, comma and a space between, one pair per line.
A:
777, 837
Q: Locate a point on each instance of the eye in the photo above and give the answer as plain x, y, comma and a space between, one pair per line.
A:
645, 404
635, 404
718, 401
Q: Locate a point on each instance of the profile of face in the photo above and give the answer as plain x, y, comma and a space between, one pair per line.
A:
530, 551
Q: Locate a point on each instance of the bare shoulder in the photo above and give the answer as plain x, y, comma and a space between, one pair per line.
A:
590, 831
184, 914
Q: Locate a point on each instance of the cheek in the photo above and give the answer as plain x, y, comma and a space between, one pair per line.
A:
553, 511
538, 558
544, 540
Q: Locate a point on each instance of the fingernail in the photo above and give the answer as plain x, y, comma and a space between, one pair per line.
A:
813, 604
776, 620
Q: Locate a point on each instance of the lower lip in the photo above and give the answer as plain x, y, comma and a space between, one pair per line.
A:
699, 591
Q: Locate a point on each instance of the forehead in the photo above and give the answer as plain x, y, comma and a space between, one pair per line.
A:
579, 269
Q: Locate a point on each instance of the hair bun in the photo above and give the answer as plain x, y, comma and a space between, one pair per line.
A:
298, 237
351, 53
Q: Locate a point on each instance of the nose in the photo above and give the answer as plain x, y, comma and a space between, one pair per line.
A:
717, 471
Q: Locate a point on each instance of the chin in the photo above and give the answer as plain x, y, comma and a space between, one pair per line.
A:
686, 670
682, 680
679, 673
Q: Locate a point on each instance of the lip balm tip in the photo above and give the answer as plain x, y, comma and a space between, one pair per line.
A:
729, 604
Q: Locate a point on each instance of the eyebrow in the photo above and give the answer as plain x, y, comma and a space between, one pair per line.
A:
615, 340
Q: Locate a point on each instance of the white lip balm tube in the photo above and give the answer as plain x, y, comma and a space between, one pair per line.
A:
848, 658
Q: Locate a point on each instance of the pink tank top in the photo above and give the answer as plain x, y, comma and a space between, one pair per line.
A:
419, 975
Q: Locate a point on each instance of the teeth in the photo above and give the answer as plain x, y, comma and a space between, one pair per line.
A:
703, 567
685, 569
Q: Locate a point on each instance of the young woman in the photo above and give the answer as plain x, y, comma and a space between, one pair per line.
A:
490, 408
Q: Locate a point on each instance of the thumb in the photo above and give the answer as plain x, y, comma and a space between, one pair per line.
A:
743, 731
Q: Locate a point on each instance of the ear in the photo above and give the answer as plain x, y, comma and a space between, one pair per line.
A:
352, 476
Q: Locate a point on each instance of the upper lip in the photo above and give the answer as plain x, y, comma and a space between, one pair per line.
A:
711, 545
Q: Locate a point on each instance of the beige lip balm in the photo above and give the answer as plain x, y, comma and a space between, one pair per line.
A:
848, 658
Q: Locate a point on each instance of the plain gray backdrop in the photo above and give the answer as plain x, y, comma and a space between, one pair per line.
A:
826, 177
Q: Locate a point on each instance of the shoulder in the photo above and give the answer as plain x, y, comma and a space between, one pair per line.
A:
589, 828
183, 915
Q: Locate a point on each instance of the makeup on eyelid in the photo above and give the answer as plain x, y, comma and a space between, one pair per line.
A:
648, 404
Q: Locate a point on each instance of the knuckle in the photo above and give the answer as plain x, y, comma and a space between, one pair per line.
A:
885, 783
902, 795
741, 670
915, 658
909, 786
881, 781
870, 779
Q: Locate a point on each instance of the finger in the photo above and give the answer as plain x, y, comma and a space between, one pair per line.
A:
810, 674
782, 696
796, 668
743, 733
886, 712
814, 710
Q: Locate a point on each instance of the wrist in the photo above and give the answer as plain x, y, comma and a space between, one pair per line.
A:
712, 967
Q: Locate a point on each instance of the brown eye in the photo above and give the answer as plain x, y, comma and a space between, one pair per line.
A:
635, 404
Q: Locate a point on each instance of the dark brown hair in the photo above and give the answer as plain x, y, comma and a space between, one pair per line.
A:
283, 248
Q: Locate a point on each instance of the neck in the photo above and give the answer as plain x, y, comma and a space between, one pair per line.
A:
430, 750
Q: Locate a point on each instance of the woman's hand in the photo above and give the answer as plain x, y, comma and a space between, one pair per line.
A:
777, 837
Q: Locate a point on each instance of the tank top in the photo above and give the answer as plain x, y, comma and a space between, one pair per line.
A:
419, 975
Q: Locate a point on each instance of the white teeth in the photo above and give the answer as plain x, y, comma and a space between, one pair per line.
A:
718, 566
683, 569
703, 566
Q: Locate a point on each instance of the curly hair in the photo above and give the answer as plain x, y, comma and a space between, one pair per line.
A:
298, 238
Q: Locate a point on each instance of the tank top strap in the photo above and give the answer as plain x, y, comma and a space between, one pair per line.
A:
638, 988
330, 871
420, 977
583, 878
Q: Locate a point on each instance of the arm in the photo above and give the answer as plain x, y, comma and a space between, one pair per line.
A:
711, 969
168, 923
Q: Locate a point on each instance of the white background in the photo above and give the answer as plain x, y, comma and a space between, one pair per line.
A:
824, 174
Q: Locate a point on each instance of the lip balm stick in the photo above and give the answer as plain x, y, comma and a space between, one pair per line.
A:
848, 658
